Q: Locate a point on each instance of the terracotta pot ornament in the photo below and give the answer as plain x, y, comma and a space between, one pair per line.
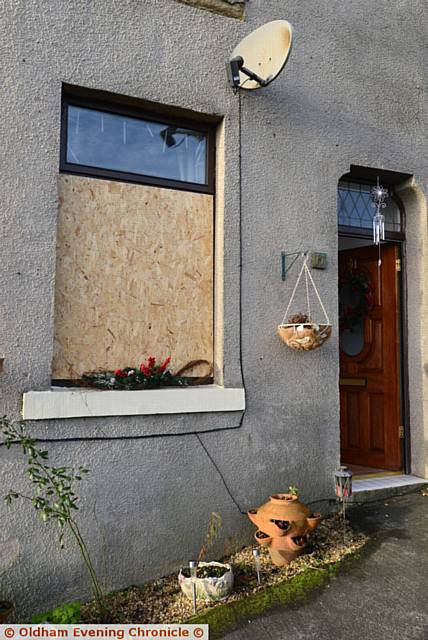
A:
283, 525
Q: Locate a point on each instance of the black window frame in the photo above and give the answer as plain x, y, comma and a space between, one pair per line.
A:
143, 113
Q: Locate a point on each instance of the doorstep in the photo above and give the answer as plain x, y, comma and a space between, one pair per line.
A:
379, 488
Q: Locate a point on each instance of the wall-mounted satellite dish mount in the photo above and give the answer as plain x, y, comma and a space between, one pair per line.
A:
261, 56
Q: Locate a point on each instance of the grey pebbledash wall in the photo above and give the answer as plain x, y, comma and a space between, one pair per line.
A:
353, 92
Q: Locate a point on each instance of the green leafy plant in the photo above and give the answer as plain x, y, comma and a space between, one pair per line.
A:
68, 613
148, 375
293, 490
53, 497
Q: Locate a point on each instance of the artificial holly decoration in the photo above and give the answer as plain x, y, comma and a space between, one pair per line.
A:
361, 292
147, 375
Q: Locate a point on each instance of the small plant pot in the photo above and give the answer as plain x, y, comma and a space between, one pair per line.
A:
304, 337
262, 538
209, 589
269, 527
313, 521
6, 609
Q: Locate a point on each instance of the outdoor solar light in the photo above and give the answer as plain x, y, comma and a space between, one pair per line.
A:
343, 487
343, 483
193, 568
256, 556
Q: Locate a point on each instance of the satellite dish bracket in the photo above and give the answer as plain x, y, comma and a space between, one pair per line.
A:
236, 65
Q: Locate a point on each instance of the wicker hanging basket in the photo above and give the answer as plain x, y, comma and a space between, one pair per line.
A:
304, 334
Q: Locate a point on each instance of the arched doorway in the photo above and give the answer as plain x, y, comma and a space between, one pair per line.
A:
372, 372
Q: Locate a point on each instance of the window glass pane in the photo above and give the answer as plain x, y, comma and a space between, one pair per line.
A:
356, 209
120, 143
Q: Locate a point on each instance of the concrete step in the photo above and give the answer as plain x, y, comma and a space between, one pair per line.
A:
370, 489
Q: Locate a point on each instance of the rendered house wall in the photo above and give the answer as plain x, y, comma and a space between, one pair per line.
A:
351, 93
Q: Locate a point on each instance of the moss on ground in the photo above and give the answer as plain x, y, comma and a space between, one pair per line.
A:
229, 616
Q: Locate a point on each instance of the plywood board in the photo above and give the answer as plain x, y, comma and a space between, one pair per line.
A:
134, 276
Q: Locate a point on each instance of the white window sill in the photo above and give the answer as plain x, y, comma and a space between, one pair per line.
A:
65, 402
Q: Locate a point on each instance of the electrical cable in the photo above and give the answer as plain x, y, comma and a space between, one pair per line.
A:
240, 307
213, 462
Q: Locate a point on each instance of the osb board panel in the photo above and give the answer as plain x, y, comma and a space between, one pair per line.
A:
134, 276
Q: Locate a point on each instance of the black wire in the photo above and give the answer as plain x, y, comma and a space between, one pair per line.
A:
240, 237
213, 462
133, 437
232, 497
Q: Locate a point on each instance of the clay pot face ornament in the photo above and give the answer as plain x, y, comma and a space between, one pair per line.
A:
284, 525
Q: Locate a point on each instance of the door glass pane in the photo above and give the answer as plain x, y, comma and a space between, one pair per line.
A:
351, 341
130, 145
355, 208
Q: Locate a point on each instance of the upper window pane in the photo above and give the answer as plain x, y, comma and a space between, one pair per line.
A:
129, 145
355, 208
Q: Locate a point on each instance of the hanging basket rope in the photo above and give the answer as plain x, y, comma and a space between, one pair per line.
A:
304, 334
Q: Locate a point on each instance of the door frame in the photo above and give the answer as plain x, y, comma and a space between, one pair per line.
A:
399, 240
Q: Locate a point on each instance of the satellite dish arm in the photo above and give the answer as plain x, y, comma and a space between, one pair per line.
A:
235, 66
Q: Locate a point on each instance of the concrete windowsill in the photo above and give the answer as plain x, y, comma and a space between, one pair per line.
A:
65, 402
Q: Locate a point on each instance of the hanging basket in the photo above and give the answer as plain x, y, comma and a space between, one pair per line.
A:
304, 334
304, 337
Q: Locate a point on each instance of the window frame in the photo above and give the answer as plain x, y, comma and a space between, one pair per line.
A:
122, 109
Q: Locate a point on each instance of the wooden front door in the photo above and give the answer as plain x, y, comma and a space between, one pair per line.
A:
369, 371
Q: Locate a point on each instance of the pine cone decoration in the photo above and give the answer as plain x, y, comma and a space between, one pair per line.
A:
299, 318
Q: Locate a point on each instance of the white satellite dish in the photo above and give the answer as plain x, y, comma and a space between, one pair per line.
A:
261, 56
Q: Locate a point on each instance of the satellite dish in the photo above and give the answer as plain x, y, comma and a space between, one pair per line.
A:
261, 56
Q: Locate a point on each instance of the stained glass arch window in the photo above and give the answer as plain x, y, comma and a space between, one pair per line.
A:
355, 208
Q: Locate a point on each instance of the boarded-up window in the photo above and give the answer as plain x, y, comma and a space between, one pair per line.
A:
134, 273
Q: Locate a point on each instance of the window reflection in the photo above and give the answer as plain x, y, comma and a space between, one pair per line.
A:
130, 145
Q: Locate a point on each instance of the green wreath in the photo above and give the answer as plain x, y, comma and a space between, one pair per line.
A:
362, 291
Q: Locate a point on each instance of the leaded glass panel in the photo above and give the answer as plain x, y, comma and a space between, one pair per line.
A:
355, 208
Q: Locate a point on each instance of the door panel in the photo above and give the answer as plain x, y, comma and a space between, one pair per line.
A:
369, 388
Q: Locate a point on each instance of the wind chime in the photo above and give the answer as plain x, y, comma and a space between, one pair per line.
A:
378, 195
